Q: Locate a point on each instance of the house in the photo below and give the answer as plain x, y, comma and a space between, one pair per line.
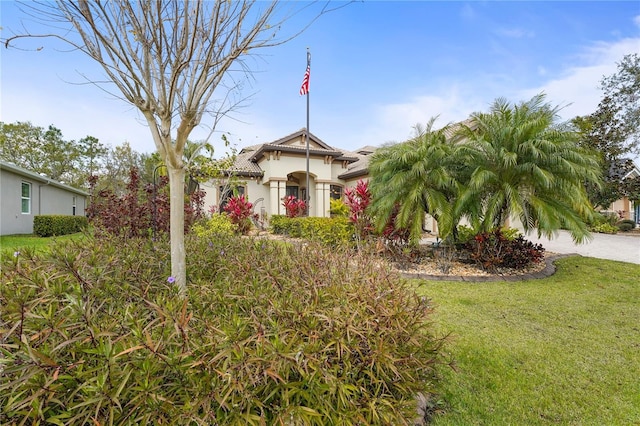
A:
266, 173
25, 194
624, 207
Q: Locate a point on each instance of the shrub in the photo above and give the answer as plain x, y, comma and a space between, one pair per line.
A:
358, 199
331, 231
626, 225
216, 226
283, 225
395, 238
294, 207
50, 225
269, 334
493, 250
338, 208
240, 211
605, 228
610, 218
465, 234
510, 233
141, 211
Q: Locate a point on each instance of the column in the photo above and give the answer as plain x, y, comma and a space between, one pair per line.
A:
320, 202
274, 200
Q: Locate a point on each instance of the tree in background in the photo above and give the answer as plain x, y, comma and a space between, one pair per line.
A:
44, 151
93, 156
613, 132
117, 164
622, 97
172, 61
20, 144
62, 155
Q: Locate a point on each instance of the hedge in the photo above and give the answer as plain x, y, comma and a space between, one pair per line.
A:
50, 225
328, 230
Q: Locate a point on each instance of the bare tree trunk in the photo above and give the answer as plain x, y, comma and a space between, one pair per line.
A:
178, 255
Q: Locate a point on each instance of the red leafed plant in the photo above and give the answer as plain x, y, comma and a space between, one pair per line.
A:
393, 236
240, 211
358, 199
293, 206
143, 210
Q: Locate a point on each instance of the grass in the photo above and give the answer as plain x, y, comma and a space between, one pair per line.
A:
12, 243
561, 350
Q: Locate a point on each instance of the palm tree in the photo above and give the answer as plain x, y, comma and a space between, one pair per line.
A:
526, 165
414, 178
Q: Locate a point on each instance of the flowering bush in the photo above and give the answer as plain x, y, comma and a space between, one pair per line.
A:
294, 207
240, 211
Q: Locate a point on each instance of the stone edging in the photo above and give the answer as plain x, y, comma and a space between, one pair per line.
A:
549, 269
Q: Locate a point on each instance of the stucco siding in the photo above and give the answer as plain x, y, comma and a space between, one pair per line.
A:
45, 197
58, 201
622, 207
13, 221
254, 190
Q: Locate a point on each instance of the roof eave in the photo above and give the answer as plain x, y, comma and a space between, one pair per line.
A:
353, 174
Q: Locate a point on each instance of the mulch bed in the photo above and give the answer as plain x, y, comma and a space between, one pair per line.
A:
442, 264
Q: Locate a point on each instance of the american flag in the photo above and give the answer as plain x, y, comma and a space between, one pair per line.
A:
304, 89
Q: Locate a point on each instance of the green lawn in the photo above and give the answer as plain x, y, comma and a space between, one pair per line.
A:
561, 350
13, 243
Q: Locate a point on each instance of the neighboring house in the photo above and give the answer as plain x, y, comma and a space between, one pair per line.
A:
25, 194
624, 207
267, 173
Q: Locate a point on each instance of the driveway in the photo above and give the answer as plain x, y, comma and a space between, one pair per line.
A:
624, 248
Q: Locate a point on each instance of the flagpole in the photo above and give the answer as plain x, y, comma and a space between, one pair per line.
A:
308, 200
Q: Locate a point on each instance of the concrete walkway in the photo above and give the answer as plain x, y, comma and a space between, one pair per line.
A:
624, 248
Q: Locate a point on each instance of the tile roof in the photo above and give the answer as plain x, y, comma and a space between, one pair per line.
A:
246, 162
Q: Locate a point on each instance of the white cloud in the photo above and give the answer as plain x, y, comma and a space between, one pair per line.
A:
636, 20
467, 12
576, 90
395, 122
515, 33
578, 87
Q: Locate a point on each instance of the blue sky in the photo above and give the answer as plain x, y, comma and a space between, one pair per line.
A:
378, 68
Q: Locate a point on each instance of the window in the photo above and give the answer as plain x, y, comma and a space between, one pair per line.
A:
335, 192
74, 206
227, 192
26, 198
292, 190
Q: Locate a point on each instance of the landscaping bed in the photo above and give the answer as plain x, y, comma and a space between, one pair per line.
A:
437, 261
